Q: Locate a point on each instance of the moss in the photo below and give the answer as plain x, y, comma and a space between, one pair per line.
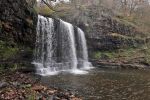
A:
125, 21
13, 57
135, 21
32, 97
103, 55
9, 66
44, 10
125, 37
128, 41
97, 55
7, 51
138, 55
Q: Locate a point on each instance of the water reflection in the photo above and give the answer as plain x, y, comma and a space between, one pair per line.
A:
101, 84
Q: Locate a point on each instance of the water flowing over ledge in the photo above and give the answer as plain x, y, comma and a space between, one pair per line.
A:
60, 47
53, 3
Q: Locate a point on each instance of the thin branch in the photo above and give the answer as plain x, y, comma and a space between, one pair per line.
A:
49, 6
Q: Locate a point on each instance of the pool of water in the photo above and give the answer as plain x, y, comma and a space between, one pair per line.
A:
104, 84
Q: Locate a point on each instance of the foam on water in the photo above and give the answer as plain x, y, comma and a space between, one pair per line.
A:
78, 72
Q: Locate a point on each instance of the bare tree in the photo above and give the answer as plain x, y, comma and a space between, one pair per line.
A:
128, 7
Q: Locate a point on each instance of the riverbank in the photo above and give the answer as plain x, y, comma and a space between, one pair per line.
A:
134, 58
16, 85
119, 64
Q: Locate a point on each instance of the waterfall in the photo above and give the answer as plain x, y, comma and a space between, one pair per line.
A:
68, 29
83, 49
59, 47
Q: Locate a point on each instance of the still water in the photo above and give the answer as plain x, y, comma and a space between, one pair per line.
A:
104, 84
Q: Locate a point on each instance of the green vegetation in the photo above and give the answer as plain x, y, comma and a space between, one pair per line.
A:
141, 25
7, 51
125, 37
32, 97
125, 20
141, 54
103, 54
45, 10
9, 66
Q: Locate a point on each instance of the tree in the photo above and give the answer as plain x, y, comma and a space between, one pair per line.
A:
128, 7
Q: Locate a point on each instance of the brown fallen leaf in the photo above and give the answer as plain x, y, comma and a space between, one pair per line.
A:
37, 88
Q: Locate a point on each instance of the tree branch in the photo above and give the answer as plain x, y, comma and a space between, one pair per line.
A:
49, 6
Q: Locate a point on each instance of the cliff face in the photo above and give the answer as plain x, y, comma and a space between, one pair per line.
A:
17, 22
108, 33
17, 30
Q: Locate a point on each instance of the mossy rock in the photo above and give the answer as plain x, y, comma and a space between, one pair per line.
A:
7, 51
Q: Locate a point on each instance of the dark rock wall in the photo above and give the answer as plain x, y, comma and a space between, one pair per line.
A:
107, 33
17, 22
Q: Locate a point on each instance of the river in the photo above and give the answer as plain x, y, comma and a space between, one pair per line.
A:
104, 84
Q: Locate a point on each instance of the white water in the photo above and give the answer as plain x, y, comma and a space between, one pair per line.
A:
84, 50
55, 2
60, 48
70, 29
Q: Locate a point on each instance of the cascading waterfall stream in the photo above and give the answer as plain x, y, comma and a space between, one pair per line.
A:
70, 32
84, 51
60, 48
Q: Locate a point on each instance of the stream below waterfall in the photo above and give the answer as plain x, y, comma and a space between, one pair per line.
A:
104, 84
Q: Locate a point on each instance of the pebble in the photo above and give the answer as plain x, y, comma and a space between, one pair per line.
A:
3, 84
16, 84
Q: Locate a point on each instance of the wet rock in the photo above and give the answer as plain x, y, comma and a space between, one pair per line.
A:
18, 31
56, 98
3, 84
16, 84
18, 21
51, 91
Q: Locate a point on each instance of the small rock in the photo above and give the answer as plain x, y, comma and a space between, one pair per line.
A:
3, 84
72, 96
56, 98
28, 85
16, 84
51, 92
